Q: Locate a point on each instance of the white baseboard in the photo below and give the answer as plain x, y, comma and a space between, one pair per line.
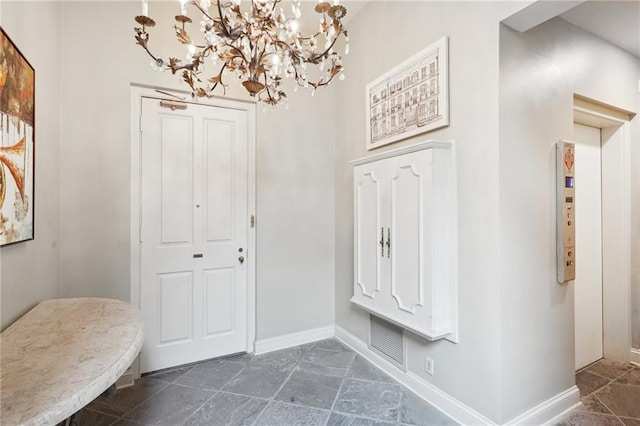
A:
634, 356
551, 410
294, 339
444, 402
543, 413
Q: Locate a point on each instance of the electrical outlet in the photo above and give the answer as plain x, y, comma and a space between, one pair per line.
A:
428, 365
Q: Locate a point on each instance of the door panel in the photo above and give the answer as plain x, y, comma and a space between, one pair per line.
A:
176, 181
194, 217
219, 299
406, 216
408, 179
369, 231
588, 220
176, 309
219, 179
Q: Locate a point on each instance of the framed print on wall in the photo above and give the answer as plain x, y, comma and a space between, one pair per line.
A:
410, 99
17, 121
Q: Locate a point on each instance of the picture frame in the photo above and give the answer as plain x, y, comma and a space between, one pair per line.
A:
17, 144
411, 98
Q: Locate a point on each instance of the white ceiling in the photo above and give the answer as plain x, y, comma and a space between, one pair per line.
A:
617, 22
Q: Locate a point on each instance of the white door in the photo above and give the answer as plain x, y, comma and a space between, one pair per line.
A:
194, 222
588, 219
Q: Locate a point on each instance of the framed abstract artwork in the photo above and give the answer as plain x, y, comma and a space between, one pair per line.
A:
410, 99
17, 122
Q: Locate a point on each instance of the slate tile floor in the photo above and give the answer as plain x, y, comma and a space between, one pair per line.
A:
322, 383
610, 394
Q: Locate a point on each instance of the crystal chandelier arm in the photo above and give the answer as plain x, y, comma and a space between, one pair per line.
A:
238, 53
319, 56
204, 12
142, 38
225, 30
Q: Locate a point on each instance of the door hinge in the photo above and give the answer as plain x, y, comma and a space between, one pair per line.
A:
252, 221
140, 234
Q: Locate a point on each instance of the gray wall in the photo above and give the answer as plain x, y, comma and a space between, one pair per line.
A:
29, 271
540, 70
470, 370
294, 172
514, 317
85, 65
635, 235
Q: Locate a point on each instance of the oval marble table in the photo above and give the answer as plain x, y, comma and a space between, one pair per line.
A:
62, 354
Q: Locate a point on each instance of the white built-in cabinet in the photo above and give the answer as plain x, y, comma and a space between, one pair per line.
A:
405, 238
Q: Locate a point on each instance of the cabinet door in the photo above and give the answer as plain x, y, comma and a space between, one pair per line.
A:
411, 221
368, 230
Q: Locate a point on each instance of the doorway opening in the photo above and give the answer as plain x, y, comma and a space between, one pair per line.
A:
603, 228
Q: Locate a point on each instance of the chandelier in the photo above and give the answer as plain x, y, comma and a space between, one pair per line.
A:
256, 41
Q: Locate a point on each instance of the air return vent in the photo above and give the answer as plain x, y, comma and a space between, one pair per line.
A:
387, 339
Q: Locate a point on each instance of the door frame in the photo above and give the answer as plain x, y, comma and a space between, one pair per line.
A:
615, 127
137, 93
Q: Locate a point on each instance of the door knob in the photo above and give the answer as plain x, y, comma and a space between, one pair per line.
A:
241, 259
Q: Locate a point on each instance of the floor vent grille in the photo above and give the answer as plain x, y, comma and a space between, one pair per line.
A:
387, 339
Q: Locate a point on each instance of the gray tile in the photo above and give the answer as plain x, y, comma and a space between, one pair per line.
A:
127, 422
587, 382
338, 419
608, 369
415, 411
622, 400
243, 359
310, 389
170, 406
210, 375
593, 404
380, 401
127, 399
86, 417
583, 418
363, 369
630, 378
332, 363
285, 359
228, 409
168, 375
280, 414
331, 345
261, 382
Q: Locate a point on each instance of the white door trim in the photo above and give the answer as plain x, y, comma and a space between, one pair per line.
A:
137, 93
616, 223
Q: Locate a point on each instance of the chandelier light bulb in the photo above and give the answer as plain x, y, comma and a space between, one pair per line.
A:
257, 43
293, 26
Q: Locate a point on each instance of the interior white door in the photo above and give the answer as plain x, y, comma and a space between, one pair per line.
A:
194, 226
588, 220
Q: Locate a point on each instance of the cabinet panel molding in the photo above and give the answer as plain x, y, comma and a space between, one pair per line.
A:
405, 238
